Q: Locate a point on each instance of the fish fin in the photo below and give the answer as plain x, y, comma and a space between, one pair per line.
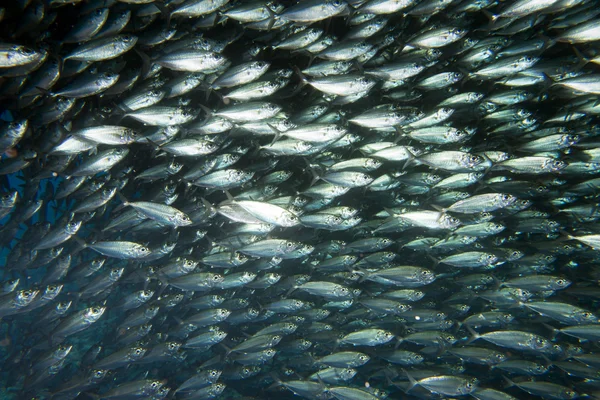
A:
146, 61
164, 285
277, 383
290, 291
497, 282
277, 133
273, 18
46, 92
474, 335
122, 198
314, 173
492, 17
436, 261
222, 19
120, 110
401, 133
227, 350
410, 160
351, 14
438, 208
412, 381
209, 90
79, 241
157, 147
554, 331
547, 360
212, 361
364, 273
509, 383
566, 236
582, 59
300, 75
206, 203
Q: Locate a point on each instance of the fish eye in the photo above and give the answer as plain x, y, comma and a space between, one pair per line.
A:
216, 277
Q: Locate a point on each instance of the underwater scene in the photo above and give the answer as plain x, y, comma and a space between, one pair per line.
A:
313, 199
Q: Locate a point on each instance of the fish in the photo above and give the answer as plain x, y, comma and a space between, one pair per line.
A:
346, 199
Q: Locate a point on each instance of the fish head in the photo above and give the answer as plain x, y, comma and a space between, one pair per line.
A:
449, 222
561, 283
92, 314
586, 317
470, 160
52, 291
8, 199
72, 227
116, 273
97, 375
181, 219
62, 307
468, 387
146, 295
25, 297
137, 353
333, 220
448, 338
539, 343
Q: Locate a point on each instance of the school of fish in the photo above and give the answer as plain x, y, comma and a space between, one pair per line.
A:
318, 199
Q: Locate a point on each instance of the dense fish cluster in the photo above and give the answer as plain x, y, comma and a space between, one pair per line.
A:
322, 199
